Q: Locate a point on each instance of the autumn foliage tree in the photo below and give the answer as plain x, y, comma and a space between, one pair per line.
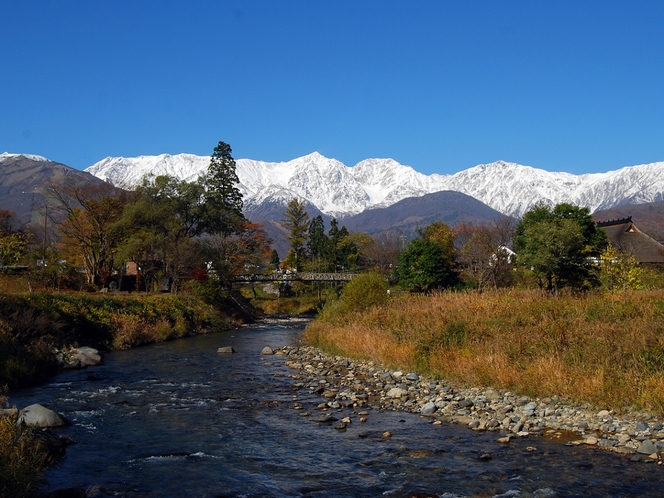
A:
90, 212
12, 242
620, 271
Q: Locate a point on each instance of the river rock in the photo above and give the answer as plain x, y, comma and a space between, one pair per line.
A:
226, 350
267, 350
86, 357
646, 447
87, 350
396, 392
428, 408
361, 385
642, 426
55, 445
40, 416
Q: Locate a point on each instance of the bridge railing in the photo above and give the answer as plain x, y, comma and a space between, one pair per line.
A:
294, 276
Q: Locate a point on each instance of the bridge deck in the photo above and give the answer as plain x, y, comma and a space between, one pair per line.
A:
292, 277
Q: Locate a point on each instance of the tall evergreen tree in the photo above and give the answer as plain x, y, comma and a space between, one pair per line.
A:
223, 199
297, 223
318, 245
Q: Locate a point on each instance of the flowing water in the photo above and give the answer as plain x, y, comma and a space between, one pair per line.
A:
179, 419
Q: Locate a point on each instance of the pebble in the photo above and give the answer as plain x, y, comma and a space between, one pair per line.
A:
367, 385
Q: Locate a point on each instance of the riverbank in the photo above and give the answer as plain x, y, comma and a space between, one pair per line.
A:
589, 348
367, 385
36, 327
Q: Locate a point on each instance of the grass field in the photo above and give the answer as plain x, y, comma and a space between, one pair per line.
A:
590, 349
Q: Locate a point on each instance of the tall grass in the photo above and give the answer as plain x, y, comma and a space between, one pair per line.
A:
589, 349
22, 459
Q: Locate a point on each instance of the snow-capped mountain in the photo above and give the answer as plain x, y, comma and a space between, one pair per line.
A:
339, 190
6, 155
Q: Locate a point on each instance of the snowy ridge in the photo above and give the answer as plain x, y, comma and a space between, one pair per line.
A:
339, 190
128, 172
6, 155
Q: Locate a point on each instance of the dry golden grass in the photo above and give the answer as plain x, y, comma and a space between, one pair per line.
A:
22, 460
590, 348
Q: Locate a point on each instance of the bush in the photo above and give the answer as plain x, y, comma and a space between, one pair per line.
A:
363, 292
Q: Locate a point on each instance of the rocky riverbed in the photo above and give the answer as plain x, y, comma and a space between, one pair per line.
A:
355, 388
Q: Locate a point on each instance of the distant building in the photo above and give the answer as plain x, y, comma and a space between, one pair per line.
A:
624, 235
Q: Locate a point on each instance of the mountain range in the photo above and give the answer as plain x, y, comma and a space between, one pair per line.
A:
372, 196
342, 191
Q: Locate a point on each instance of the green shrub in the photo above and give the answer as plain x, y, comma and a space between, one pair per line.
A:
363, 292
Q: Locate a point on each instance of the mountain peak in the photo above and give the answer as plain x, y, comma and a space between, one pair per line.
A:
33, 157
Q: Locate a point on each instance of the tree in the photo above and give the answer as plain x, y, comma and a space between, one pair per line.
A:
251, 249
620, 271
422, 267
12, 243
319, 246
443, 236
160, 225
246, 252
382, 252
223, 199
355, 246
90, 213
274, 259
297, 223
484, 255
559, 245
7, 221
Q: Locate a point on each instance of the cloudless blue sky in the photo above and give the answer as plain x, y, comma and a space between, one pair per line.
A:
573, 86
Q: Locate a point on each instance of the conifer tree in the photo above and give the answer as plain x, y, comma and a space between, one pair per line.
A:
297, 223
223, 199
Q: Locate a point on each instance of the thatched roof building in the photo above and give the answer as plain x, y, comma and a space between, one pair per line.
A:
624, 235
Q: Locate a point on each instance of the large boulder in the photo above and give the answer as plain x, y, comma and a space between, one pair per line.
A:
40, 416
79, 357
88, 357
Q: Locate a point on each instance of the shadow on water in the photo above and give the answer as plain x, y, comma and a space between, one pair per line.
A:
180, 419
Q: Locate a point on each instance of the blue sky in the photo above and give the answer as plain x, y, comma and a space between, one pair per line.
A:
441, 86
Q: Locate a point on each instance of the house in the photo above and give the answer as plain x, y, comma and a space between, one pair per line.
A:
624, 235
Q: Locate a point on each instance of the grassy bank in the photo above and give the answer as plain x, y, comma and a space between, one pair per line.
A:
33, 324
589, 349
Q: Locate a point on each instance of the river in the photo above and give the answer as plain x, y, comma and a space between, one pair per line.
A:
178, 419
